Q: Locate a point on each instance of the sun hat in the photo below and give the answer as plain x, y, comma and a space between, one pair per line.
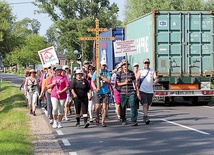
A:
32, 71
103, 62
79, 71
58, 67
86, 62
118, 66
146, 60
124, 61
135, 64
65, 66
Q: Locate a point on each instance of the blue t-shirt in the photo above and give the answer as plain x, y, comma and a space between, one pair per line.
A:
104, 89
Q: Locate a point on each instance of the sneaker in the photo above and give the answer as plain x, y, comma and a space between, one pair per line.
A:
34, 114
86, 125
66, 118
134, 124
124, 123
54, 125
104, 125
31, 112
59, 126
77, 124
51, 121
46, 112
91, 120
63, 118
146, 119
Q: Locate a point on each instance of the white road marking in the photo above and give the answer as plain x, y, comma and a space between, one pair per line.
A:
211, 107
183, 126
66, 142
59, 132
72, 153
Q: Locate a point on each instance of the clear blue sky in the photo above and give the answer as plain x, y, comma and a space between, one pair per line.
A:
27, 10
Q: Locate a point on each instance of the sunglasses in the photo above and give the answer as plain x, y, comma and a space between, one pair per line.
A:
146, 62
91, 69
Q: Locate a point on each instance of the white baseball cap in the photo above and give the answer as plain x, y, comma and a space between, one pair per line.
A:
65, 66
103, 62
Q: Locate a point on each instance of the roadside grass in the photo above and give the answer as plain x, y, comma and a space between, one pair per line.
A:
14, 123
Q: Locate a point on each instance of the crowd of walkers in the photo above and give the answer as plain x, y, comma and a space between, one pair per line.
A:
90, 92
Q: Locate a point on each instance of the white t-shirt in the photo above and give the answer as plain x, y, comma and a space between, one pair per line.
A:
147, 84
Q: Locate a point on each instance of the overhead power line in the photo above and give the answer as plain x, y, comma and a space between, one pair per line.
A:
15, 3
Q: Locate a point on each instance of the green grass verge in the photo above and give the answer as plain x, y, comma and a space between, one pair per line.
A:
14, 123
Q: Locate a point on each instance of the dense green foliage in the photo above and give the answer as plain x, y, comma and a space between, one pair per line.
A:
72, 18
136, 8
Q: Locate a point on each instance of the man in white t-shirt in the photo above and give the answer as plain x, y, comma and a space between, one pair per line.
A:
147, 77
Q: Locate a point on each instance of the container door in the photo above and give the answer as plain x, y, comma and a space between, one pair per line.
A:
169, 40
184, 43
199, 59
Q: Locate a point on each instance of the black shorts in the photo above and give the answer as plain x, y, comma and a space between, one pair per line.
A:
146, 98
101, 98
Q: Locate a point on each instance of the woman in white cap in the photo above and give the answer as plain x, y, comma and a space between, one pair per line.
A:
32, 91
59, 85
80, 88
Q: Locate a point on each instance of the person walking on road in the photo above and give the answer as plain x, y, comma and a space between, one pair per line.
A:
80, 88
126, 79
31, 88
101, 95
147, 77
115, 91
59, 85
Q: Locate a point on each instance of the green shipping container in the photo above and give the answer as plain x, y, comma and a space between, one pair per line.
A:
178, 43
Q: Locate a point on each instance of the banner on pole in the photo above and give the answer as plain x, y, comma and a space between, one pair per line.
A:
123, 47
48, 56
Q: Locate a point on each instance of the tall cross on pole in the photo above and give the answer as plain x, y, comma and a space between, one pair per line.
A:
97, 30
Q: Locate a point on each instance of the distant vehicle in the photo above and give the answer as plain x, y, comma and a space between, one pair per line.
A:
180, 47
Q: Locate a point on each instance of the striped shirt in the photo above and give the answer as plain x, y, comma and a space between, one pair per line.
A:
121, 77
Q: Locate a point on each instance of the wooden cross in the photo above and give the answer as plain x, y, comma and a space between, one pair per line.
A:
97, 39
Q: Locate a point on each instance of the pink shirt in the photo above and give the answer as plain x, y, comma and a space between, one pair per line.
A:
62, 82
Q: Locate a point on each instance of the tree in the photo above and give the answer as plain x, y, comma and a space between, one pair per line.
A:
26, 27
136, 8
28, 54
209, 5
72, 18
7, 39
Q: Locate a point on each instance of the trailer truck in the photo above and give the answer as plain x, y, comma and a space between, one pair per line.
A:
180, 47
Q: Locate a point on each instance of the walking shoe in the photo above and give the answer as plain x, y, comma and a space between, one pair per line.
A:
86, 125
77, 124
34, 114
91, 120
31, 112
124, 123
59, 126
51, 121
146, 119
54, 125
104, 125
97, 122
46, 112
134, 124
66, 118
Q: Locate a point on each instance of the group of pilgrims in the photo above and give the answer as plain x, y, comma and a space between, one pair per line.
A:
62, 88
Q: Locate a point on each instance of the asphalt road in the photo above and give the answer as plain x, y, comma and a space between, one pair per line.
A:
177, 130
